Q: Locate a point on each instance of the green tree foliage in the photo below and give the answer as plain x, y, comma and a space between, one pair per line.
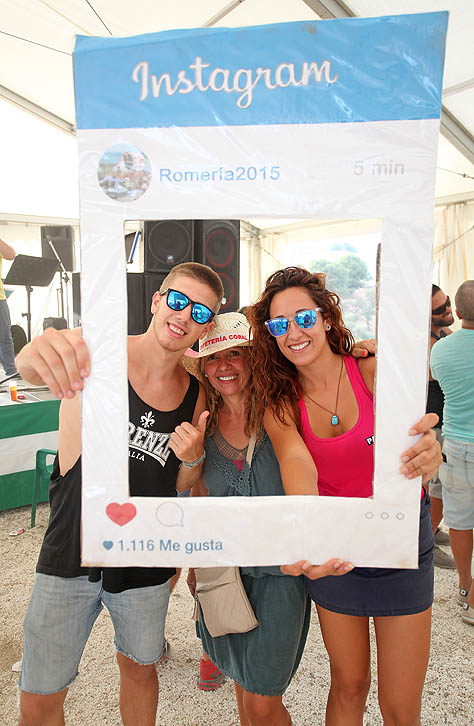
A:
359, 313
348, 277
337, 276
358, 271
344, 276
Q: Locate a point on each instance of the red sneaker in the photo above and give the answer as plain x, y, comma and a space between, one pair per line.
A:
210, 677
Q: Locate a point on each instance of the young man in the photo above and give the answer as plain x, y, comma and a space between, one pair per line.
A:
441, 319
452, 364
67, 598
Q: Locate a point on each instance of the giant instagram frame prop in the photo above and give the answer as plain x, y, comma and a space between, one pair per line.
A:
332, 119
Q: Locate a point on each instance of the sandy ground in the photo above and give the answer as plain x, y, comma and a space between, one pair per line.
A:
93, 700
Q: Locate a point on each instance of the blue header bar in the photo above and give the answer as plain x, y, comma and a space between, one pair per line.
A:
329, 71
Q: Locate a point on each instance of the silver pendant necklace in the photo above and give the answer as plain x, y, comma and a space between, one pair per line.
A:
334, 416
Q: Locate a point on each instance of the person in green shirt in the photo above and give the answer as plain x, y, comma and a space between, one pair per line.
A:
452, 364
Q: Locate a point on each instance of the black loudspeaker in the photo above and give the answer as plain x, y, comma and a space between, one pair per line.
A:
153, 282
19, 338
63, 240
58, 323
219, 241
140, 289
167, 243
135, 303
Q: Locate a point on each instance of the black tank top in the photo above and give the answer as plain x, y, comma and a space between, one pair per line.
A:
153, 469
435, 400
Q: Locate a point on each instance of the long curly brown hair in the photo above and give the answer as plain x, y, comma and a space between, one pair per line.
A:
275, 380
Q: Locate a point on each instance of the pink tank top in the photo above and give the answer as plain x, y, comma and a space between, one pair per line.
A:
345, 463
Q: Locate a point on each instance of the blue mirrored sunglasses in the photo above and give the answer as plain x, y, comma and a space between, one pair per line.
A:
303, 319
178, 301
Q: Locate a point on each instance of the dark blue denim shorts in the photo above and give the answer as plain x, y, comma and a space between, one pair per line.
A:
377, 591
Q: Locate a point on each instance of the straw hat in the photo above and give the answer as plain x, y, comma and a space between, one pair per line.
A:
229, 331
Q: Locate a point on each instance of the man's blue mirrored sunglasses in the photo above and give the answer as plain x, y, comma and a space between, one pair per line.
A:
303, 319
178, 301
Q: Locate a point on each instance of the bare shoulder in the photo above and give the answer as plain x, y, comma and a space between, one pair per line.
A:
367, 367
6, 250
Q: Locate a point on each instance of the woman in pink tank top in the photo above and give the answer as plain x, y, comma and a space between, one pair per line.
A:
317, 407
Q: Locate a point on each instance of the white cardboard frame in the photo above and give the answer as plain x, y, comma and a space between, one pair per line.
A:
328, 170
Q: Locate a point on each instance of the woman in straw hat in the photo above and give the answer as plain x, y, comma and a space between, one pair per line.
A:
263, 661
317, 405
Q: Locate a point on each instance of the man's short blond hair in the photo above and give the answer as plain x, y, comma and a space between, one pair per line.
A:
199, 272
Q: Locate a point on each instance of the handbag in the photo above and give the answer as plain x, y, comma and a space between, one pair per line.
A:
220, 593
224, 603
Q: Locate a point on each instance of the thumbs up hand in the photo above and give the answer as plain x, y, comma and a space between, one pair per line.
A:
187, 441
202, 421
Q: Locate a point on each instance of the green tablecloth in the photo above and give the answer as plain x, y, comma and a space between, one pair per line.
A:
24, 428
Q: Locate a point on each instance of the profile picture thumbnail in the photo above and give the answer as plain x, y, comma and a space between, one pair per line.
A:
124, 172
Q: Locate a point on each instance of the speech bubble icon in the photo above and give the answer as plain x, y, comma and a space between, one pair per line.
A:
170, 514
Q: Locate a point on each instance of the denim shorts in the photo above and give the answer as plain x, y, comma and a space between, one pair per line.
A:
434, 486
457, 477
382, 592
60, 617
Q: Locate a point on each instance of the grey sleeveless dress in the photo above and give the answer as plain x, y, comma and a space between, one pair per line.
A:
265, 659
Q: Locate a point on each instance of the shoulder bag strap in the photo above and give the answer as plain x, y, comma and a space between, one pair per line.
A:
250, 448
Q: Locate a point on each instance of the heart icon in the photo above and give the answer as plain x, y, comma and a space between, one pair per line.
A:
108, 544
121, 513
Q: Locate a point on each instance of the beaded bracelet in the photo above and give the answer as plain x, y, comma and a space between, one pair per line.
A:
192, 464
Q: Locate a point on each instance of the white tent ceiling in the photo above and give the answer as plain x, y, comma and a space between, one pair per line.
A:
37, 38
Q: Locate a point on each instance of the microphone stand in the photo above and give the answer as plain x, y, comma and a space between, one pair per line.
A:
62, 275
